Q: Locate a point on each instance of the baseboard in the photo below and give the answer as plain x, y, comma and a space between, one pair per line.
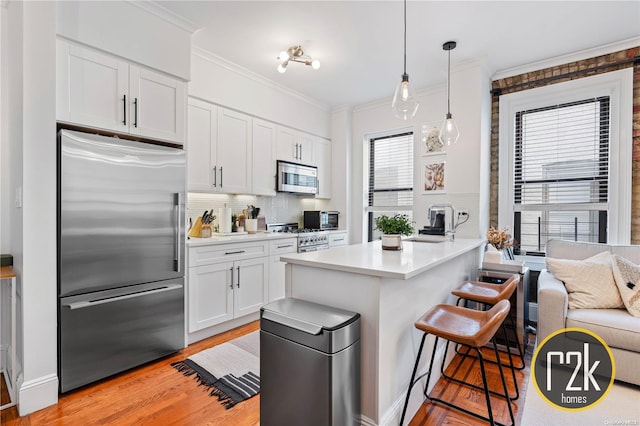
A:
533, 312
37, 394
221, 328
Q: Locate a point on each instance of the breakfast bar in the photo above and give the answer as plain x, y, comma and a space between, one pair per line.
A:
390, 290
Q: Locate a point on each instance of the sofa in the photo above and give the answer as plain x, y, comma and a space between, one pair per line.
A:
617, 327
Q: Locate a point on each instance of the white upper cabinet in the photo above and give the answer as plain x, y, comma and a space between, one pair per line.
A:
264, 158
201, 145
218, 149
294, 146
99, 90
322, 156
158, 105
234, 152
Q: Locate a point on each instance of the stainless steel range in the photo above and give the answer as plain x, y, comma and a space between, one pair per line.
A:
308, 239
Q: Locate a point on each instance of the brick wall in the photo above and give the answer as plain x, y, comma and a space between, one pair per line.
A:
571, 71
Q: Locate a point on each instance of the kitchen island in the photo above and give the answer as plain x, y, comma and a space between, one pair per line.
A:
390, 290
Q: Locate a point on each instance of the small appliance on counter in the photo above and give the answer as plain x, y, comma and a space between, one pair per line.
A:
436, 223
325, 220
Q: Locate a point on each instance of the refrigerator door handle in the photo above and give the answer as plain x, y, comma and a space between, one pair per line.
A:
178, 212
110, 299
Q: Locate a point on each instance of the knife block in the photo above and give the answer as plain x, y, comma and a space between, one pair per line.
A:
196, 229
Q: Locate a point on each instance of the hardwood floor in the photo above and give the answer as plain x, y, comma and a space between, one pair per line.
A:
156, 394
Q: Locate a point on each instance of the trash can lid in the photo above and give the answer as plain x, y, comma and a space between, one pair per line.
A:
307, 316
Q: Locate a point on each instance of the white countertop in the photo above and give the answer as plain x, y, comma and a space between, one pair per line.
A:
369, 259
242, 238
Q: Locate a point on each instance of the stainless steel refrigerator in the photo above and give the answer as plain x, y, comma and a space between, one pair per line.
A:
121, 248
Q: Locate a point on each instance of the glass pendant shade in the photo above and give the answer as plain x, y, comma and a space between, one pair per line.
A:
404, 102
449, 132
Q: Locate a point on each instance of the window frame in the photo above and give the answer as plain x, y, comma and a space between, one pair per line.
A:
618, 85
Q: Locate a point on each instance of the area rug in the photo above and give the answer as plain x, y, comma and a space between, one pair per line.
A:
619, 407
230, 371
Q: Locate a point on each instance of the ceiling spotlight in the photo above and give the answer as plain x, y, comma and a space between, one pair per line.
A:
296, 54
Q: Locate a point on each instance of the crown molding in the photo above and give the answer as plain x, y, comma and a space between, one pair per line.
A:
235, 68
565, 59
166, 15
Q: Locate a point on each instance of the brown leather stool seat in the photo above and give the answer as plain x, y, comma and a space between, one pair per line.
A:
489, 294
469, 327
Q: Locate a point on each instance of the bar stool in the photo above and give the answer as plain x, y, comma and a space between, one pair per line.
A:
468, 327
488, 294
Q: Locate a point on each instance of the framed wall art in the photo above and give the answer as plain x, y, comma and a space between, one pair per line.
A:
433, 173
430, 142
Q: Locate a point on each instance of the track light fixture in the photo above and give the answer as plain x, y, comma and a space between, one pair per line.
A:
296, 54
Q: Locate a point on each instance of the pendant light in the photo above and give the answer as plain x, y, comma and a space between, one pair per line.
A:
404, 102
449, 132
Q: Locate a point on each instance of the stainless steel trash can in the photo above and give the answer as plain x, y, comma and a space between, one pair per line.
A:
309, 364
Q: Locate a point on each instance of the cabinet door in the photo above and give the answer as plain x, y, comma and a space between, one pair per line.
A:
157, 105
287, 148
201, 146
250, 291
210, 295
305, 148
234, 152
264, 163
322, 156
91, 88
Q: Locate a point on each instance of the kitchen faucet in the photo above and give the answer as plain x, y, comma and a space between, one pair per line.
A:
452, 227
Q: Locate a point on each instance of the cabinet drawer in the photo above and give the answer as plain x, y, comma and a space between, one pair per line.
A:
288, 245
337, 239
205, 255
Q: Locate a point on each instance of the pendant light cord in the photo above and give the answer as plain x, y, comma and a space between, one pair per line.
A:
449, 85
405, 37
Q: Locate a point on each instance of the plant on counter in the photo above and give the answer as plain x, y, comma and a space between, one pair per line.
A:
398, 224
392, 228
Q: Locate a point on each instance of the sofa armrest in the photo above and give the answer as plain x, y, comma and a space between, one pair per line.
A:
553, 302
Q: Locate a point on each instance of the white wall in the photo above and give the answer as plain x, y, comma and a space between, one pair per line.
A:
37, 266
466, 174
216, 80
128, 30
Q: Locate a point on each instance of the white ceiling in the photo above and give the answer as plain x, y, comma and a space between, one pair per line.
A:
359, 43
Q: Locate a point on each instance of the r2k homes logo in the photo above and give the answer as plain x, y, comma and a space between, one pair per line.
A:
573, 369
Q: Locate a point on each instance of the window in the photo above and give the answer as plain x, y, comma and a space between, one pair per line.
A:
564, 162
561, 173
390, 186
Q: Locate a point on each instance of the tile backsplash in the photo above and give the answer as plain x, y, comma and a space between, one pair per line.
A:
281, 208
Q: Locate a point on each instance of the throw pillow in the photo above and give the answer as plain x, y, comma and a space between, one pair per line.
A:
627, 276
589, 282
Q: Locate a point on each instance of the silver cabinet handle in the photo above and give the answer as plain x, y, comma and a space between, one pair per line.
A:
285, 246
296, 152
238, 283
234, 252
300, 153
178, 211
339, 239
231, 272
215, 175
220, 176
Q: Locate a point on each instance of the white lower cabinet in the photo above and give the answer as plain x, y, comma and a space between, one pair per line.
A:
221, 290
337, 238
276, 267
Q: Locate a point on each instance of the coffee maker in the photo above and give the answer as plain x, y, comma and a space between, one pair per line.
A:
436, 222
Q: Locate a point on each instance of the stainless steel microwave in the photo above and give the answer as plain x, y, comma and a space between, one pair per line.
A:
297, 178
316, 219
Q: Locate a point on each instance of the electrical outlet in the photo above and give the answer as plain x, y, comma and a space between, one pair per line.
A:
463, 213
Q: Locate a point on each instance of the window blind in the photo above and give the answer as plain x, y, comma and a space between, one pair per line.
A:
561, 172
391, 172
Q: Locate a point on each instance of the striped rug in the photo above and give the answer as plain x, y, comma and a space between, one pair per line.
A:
230, 371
